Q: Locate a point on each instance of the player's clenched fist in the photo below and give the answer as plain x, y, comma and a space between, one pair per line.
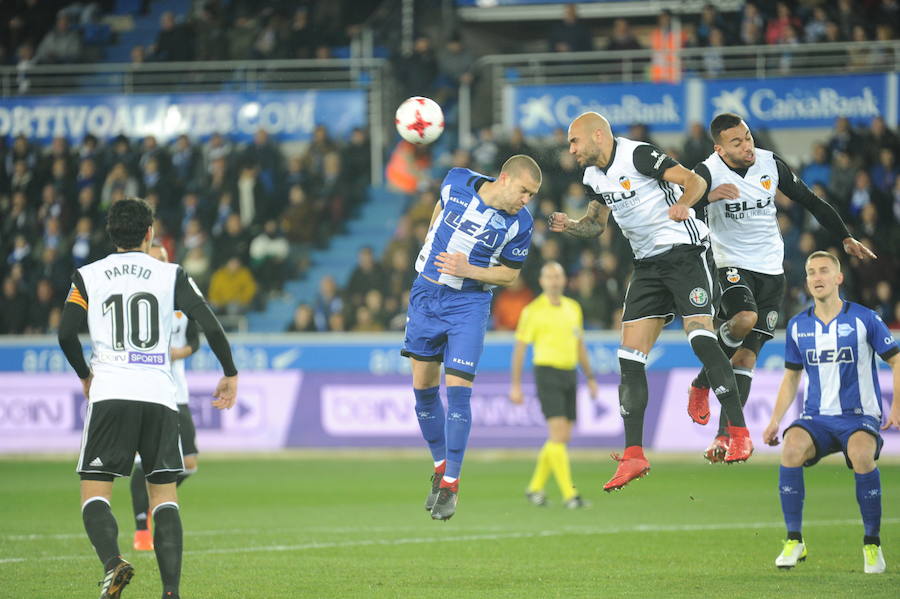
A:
770, 435
558, 222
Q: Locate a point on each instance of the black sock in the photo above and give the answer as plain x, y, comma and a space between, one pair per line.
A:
102, 530
795, 536
867, 540
140, 501
721, 375
744, 378
633, 395
168, 544
702, 379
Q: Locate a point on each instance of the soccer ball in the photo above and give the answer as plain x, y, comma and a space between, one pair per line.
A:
419, 120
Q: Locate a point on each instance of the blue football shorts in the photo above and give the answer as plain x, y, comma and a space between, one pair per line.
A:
446, 325
830, 434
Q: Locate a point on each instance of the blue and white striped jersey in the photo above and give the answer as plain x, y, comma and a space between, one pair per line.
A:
839, 359
466, 224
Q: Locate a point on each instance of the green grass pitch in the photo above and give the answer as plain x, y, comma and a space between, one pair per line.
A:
352, 525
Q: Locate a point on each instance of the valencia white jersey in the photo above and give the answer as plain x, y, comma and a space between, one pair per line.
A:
632, 187
130, 302
744, 232
179, 339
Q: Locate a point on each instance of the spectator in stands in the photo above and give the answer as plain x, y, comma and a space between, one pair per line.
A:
882, 56
364, 322
185, 161
356, 159
880, 137
860, 55
39, 308
331, 189
847, 17
374, 302
570, 35
883, 301
118, 179
485, 151
173, 42
19, 221
697, 147
835, 58
26, 61
302, 38
85, 247
418, 72
209, 33
234, 241
217, 148
408, 167
22, 180
299, 220
884, 173
788, 41
232, 288
253, 204
845, 139
515, 144
710, 19
622, 38
241, 37
819, 170
264, 153
455, 64
197, 264
368, 274
842, 175
713, 59
14, 315
777, 28
751, 28
61, 45
303, 321
328, 303
314, 155
54, 268
268, 257
872, 226
894, 321
509, 303
863, 193
596, 313
814, 31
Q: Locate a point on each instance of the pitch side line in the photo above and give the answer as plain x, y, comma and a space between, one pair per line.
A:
647, 528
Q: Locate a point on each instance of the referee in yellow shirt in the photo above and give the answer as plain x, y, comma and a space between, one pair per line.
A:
554, 324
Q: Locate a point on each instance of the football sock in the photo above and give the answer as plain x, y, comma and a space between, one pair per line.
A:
792, 491
541, 470
459, 423
102, 530
744, 378
140, 501
702, 379
168, 544
430, 412
632, 394
558, 456
868, 495
720, 372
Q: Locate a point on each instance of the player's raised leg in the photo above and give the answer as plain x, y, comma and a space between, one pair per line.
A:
458, 426
798, 450
861, 450
430, 415
637, 338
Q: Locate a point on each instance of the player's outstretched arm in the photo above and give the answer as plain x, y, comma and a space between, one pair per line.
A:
893, 418
592, 224
787, 392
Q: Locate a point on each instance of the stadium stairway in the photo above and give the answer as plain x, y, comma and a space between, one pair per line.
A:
374, 227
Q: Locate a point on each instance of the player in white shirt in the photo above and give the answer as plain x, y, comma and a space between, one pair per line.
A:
641, 187
742, 181
128, 301
184, 342
834, 343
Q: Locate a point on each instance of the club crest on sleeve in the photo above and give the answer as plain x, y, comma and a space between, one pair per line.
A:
699, 297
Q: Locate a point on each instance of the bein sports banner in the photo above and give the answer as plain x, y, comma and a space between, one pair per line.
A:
289, 409
287, 116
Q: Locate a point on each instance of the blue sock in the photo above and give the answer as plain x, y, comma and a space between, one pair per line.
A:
868, 495
459, 423
430, 412
792, 491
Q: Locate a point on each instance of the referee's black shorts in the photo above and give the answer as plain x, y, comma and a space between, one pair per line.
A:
556, 391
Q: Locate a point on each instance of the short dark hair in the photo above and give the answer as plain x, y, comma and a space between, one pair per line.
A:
128, 221
520, 163
724, 121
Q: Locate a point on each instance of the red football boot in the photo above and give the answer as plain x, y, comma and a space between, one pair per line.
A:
740, 448
716, 451
698, 404
632, 465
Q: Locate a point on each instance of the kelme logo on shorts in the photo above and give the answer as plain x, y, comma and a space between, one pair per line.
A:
772, 319
732, 275
699, 297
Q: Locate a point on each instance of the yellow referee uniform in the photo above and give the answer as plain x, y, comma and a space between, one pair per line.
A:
554, 331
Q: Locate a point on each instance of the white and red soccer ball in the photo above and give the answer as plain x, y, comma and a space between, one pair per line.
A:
419, 120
